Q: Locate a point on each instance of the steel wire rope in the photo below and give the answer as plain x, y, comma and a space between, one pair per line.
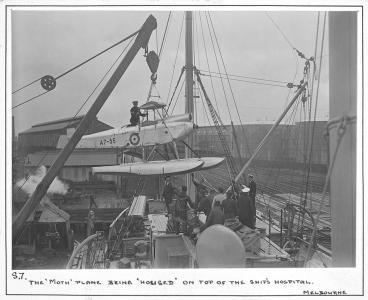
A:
300, 221
218, 68
243, 76
71, 69
282, 33
247, 81
29, 100
221, 125
174, 66
175, 89
208, 65
80, 108
208, 17
317, 92
295, 107
311, 137
273, 169
176, 101
159, 52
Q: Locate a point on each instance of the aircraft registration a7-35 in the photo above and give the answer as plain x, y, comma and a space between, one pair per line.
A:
162, 130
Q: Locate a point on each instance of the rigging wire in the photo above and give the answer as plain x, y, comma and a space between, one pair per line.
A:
208, 17
243, 76
279, 29
27, 85
30, 99
218, 68
176, 56
175, 89
317, 92
208, 65
247, 81
176, 101
80, 108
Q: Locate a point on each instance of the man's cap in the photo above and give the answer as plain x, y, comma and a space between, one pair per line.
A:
135, 101
245, 189
250, 176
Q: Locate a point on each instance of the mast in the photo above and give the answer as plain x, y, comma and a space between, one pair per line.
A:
189, 107
343, 102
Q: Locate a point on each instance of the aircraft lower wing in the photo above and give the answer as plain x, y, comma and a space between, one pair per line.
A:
170, 167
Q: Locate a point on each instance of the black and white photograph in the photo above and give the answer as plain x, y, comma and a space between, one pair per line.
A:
183, 150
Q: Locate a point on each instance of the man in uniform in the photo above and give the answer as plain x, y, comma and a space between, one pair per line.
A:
252, 195
135, 113
246, 209
168, 193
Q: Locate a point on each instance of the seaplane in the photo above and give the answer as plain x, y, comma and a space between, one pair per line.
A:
159, 129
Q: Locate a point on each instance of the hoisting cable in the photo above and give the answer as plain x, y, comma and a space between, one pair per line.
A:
80, 108
154, 75
81, 64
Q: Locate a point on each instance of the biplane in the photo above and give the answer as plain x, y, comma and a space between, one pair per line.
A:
157, 128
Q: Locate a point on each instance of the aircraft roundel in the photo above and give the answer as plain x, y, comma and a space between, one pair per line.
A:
134, 139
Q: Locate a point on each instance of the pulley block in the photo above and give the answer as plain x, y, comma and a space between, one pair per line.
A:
152, 60
48, 82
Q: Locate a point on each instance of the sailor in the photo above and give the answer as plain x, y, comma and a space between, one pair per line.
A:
219, 197
216, 216
135, 113
182, 204
246, 209
168, 193
252, 193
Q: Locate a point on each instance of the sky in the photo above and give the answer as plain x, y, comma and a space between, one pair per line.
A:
49, 42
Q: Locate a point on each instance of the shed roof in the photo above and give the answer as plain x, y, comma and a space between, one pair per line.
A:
47, 212
54, 125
